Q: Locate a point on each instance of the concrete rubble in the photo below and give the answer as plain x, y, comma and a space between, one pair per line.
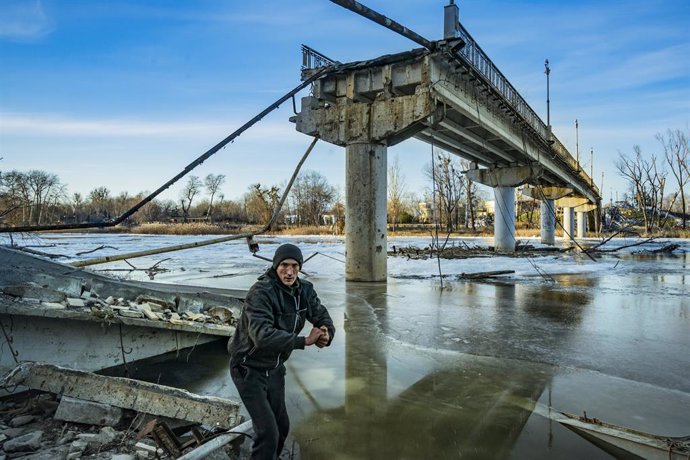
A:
109, 307
49, 424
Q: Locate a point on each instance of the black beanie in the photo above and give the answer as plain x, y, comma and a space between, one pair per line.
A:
287, 251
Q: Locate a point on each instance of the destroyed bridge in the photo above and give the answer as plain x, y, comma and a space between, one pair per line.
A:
448, 94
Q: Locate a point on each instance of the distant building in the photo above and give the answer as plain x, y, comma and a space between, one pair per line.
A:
426, 212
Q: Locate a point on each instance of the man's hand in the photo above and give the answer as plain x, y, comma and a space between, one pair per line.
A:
325, 337
314, 336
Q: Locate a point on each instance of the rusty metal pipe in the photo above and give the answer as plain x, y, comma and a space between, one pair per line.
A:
386, 22
184, 172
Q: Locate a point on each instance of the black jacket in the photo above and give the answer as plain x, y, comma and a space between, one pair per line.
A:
272, 317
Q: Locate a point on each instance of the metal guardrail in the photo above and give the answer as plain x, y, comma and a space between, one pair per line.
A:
476, 58
312, 59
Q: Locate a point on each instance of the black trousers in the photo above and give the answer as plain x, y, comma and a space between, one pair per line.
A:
263, 395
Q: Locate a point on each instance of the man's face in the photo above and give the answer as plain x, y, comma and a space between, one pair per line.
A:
287, 271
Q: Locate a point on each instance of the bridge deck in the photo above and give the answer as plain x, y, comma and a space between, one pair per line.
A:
457, 101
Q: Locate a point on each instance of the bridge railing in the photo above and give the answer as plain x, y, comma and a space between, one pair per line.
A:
312, 59
476, 58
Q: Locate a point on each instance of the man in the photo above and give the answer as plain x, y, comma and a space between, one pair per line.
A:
268, 329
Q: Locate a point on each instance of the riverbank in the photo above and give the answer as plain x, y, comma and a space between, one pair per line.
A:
522, 230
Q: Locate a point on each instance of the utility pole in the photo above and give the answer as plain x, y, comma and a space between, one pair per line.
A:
547, 71
577, 144
591, 164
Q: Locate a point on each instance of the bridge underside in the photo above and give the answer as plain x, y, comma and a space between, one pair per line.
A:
442, 100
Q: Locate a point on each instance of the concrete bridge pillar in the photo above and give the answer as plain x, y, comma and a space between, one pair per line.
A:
548, 222
571, 205
365, 212
504, 181
504, 219
568, 222
547, 195
581, 224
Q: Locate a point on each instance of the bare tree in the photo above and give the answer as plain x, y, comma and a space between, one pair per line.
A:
450, 187
259, 203
188, 193
35, 192
396, 192
471, 196
100, 202
311, 197
647, 183
675, 145
213, 183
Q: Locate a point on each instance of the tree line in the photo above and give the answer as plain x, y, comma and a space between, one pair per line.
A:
452, 201
648, 179
38, 197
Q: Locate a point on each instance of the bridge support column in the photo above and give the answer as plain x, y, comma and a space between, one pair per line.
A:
504, 181
365, 212
504, 219
568, 222
581, 224
548, 222
547, 195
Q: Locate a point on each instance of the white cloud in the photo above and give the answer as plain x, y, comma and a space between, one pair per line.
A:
16, 124
23, 20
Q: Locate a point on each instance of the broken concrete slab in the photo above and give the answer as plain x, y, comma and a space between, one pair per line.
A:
131, 313
53, 305
73, 302
126, 393
25, 443
162, 303
88, 412
22, 420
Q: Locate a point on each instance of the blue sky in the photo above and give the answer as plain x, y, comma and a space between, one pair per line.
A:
125, 94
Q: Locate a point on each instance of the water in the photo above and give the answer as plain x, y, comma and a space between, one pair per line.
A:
420, 372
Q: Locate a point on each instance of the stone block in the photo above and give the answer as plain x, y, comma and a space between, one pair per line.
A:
131, 313
53, 305
78, 446
73, 302
25, 443
123, 457
88, 412
22, 420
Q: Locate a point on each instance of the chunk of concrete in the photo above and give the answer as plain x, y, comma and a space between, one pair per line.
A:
22, 420
73, 302
161, 303
25, 443
88, 412
53, 305
123, 457
131, 313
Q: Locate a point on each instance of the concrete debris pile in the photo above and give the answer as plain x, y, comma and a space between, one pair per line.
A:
142, 307
47, 427
70, 414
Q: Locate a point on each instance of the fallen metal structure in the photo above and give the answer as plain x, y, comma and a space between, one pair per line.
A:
55, 313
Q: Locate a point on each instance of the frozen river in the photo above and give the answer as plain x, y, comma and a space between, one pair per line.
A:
417, 371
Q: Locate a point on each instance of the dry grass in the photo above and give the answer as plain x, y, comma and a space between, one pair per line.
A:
195, 228
198, 228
